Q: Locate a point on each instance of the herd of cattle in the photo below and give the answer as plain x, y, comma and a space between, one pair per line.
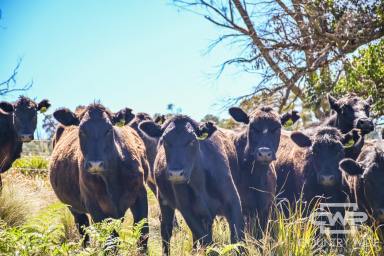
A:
101, 162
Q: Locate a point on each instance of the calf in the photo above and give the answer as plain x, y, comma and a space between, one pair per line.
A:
192, 172
366, 180
98, 168
256, 146
351, 112
309, 168
20, 127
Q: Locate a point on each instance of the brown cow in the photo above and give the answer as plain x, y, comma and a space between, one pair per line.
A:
99, 168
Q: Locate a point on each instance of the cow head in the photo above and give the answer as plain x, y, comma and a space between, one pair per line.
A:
352, 112
263, 132
97, 131
138, 118
371, 180
180, 138
25, 117
326, 148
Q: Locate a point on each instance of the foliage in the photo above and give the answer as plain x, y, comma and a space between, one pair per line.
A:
31, 165
49, 125
365, 76
297, 47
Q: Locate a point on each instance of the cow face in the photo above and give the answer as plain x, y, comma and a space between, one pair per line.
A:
325, 150
263, 133
97, 133
25, 117
180, 138
352, 112
371, 177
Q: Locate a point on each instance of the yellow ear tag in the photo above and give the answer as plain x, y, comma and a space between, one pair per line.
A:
121, 123
350, 143
43, 110
203, 136
288, 123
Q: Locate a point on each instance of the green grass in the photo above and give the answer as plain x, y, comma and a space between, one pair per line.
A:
33, 222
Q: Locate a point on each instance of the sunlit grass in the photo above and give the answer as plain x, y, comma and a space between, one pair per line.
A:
33, 222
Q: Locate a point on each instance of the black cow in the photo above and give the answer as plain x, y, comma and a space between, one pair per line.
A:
366, 180
310, 170
24, 120
351, 112
193, 174
256, 147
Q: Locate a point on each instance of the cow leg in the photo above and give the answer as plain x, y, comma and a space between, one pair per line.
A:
167, 218
201, 228
140, 212
82, 222
236, 222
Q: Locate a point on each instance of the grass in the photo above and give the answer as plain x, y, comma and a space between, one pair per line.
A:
33, 222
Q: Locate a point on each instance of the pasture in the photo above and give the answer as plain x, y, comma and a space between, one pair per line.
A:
34, 222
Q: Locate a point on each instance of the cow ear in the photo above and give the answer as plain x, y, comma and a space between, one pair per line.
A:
6, 106
43, 105
289, 118
333, 103
205, 130
151, 129
160, 119
66, 117
122, 117
301, 139
351, 167
370, 100
239, 115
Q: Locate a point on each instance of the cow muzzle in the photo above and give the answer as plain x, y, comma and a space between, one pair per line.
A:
365, 125
177, 176
26, 137
94, 166
327, 180
265, 155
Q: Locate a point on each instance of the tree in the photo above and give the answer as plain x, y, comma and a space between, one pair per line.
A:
300, 46
9, 85
364, 75
49, 125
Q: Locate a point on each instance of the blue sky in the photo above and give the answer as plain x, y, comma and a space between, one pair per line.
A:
139, 54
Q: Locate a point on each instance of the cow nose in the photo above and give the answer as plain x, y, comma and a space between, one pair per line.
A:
365, 124
327, 180
379, 214
265, 154
176, 176
94, 166
26, 137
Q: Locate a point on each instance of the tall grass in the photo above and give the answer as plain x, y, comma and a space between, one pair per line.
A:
33, 222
